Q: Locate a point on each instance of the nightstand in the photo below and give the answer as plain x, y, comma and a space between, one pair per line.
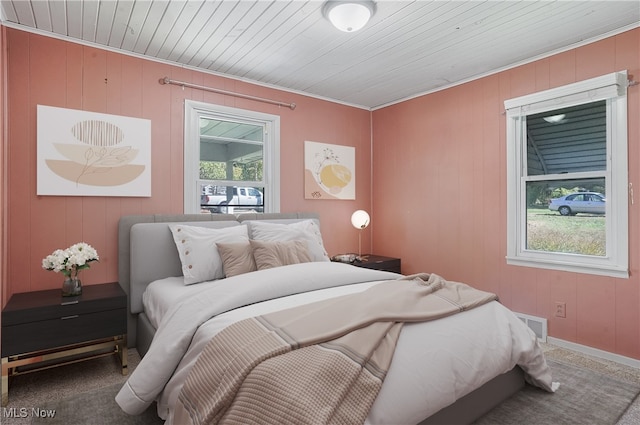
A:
378, 262
42, 329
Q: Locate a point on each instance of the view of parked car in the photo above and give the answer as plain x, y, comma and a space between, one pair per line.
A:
579, 202
215, 199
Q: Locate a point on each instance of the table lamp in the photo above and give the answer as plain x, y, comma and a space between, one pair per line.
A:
360, 220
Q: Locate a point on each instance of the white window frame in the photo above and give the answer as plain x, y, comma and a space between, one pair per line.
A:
193, 111
612, 88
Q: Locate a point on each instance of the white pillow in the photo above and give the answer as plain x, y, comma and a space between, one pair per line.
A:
198, 251
306, 230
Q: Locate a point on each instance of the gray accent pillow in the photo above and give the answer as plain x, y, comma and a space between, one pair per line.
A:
281, 253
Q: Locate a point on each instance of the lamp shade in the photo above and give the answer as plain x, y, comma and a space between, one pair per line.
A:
348, 16
360, 219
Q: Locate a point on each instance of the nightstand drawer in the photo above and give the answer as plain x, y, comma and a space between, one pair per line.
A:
37, 306
66, 330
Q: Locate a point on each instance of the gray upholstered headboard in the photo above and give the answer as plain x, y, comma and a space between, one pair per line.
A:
153, 254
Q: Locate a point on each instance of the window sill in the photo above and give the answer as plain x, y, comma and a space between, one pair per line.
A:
595, 269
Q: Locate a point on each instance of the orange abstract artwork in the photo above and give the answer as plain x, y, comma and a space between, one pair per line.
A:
329, 171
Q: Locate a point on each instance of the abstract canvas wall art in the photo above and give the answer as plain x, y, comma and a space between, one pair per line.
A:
330, 171
83, 153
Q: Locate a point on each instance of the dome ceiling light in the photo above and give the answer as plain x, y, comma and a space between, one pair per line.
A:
555, 119
348, 16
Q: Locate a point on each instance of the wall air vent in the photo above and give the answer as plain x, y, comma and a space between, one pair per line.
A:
537, 324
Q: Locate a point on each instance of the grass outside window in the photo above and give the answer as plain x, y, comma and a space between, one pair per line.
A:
579, 234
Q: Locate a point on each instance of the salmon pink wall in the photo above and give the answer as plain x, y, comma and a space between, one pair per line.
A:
439, 190
49, 71
3, 188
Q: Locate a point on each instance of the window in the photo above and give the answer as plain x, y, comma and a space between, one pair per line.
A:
567, 184
231, 160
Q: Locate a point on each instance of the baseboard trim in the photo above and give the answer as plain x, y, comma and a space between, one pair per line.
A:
595, 352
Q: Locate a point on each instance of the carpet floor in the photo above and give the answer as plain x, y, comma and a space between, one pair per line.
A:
592, 392
585, 397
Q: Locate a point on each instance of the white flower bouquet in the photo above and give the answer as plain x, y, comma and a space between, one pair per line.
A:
71, 260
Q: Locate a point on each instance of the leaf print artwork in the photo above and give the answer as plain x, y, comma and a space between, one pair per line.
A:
99, 154
83, 153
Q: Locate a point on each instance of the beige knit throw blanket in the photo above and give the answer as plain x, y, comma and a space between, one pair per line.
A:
320, 363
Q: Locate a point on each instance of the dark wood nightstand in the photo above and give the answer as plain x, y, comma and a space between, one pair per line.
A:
378, 262
42, 329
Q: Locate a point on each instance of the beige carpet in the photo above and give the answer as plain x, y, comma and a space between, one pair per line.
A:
35, 389
606, 367
585, 397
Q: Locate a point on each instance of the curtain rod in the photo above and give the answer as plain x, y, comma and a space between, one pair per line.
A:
167, 80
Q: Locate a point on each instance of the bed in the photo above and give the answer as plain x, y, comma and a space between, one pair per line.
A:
450, 370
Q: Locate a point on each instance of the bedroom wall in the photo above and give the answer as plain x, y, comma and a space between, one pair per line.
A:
48, 71
439, 188
3, 181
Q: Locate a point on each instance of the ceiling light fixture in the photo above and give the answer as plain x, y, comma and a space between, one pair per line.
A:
554, 119
348, 16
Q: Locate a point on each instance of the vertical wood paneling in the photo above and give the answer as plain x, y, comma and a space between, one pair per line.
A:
430, 156
73, 84
477, 244
524, 296
596, 312
563, 288
3, 143
131, 105
384, 191
155, 107
46, 67
94, 84
587, 67
113, 83
627, 46
543, 307
448, 181
176, 136
19, 163
542, 75
627, 317
72, 214
63, 74
562, 69
113, 209
496, 231
601, 312
485, 177
466, 186
93, 210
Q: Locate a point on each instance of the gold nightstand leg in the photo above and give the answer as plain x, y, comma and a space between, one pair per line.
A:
117, 345
5, 381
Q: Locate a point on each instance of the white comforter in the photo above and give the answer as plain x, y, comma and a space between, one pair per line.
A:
435, 363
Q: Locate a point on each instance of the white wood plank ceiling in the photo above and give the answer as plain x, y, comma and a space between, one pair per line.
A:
407, 49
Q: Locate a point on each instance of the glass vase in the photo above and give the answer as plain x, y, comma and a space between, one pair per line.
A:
71, 287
